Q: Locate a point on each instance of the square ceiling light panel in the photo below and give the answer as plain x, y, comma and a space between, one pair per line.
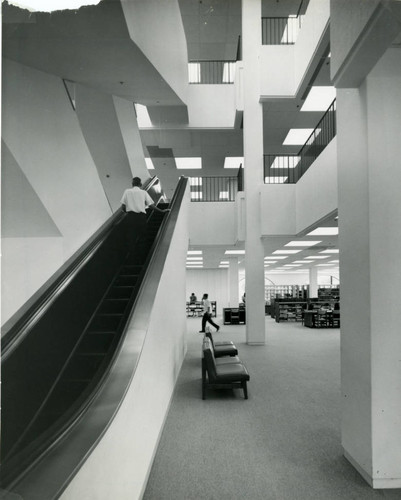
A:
324, 231
235, 252
319, 99
332, 251
188, 163
284, 252
149, 164
297, 136
302, 243
233, 162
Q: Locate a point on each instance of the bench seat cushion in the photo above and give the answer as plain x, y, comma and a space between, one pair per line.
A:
231, 372
227, 360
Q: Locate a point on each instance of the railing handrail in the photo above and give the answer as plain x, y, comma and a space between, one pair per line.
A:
317, 126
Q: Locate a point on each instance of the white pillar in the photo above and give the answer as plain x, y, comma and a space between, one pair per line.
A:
233, 282
313, 286
369, 181
253, 171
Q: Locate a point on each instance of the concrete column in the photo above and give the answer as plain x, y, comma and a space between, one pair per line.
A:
313, 282
233, 288
369, 180
253, 171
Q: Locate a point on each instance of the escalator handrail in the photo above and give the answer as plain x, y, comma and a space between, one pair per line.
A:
18, 326
87, 427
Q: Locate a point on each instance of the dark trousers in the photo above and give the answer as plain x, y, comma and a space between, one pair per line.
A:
136, 233
207, 318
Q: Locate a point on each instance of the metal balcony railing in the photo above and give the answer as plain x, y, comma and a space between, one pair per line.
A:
211, 72
283, 30
213, 188
288, 169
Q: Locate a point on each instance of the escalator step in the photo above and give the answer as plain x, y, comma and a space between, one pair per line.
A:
105, 322
120, 292
113, 306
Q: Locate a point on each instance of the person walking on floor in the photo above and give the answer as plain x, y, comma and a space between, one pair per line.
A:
134, 202
207, 314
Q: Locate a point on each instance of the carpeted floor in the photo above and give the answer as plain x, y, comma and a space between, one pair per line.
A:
283, 443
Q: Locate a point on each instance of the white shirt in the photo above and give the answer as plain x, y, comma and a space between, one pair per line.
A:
136, 200
206, 306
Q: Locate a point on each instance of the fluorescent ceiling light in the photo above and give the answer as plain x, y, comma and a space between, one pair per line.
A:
188, 163
329, 265
289, 252
285, 162
223, 266
292, 265
302, 261
301, 243
276, 257
194, 252
233, 162
194, 258
275, 180
195, 181
224, 262
196, 195
334, 261
194, 264
52, 5
234, 252
270, 261
324, 231
267, 265
333, 250
317, 257
223, 195
297, 136
319, 99
149, 164
142, 116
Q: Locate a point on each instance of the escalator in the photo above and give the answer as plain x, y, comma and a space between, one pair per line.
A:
57, 356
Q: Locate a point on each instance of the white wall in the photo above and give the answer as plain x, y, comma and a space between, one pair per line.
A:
101, 129
211, 106
131, 137
288, 209
278, 206
211, 281
126, 451
212, 223
290, 63
44, 140
154, 25
317, 190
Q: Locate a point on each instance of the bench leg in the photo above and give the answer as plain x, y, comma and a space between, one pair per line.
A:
245, 389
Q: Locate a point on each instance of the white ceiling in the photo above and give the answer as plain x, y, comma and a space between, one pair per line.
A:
92, 46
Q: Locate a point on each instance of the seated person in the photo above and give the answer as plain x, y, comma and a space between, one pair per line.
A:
192, 298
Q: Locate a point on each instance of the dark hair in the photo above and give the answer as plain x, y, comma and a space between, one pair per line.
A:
206, 295
136, 181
